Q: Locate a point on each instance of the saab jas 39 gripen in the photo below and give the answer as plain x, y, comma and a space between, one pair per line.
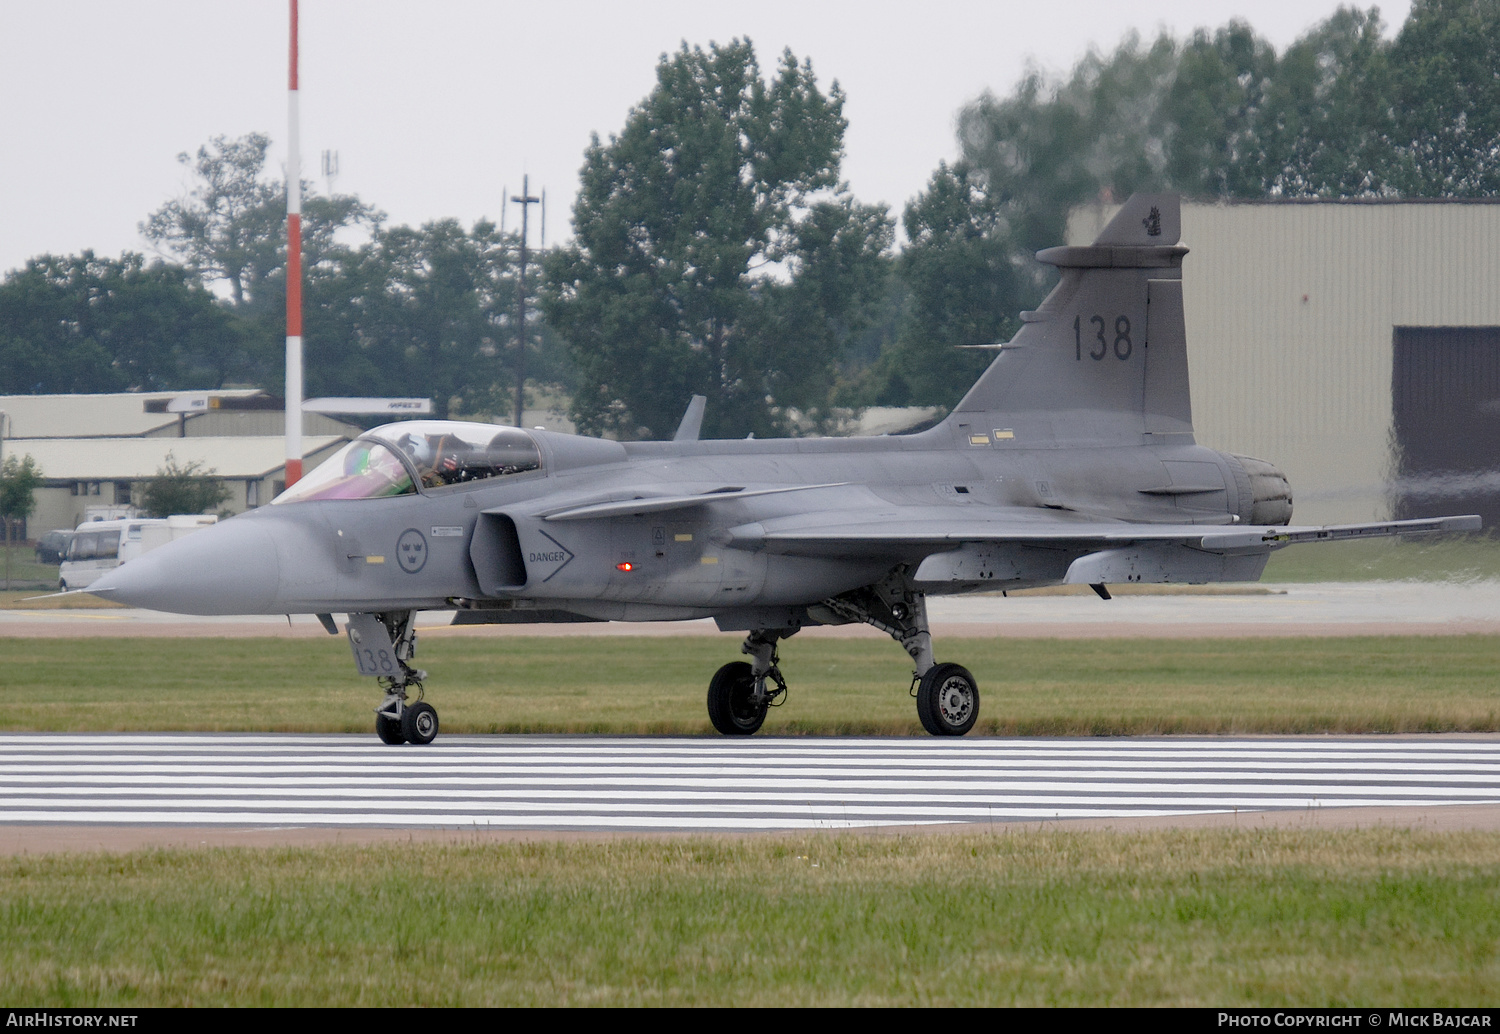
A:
1070, 460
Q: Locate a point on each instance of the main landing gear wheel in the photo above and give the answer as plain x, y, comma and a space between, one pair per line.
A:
389, 729
419, 723
948, 700
732, 707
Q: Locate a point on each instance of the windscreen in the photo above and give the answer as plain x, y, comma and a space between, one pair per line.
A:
444, 453
363, 469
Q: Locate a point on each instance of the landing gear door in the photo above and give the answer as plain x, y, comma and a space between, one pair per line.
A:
371, 643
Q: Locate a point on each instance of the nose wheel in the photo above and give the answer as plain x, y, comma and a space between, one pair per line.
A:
419, 723
389, 729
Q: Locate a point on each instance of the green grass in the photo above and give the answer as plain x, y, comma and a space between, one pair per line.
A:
610, 684
25, 572
1446, 558
1201, 918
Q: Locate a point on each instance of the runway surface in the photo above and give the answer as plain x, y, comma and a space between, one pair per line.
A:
712, 785
1353, 608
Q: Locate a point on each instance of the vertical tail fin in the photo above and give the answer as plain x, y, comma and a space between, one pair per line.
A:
1104, 359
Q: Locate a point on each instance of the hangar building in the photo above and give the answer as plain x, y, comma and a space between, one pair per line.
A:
1355, 344
96, 451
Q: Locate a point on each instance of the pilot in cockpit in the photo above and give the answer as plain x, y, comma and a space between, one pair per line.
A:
439, 457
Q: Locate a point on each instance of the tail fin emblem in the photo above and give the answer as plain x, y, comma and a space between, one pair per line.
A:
1152, 222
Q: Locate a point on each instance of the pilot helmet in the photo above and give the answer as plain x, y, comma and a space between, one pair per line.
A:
417, 447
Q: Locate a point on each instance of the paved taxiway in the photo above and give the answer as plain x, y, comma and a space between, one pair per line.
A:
1354, 608
618, 784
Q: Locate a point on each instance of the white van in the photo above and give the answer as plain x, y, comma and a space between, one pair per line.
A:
100, 546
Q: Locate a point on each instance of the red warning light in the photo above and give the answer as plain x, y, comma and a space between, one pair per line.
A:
625, 565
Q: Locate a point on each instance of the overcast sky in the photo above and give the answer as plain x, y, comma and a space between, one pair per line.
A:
435, 107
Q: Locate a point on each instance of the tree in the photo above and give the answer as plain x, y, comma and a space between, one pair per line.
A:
436, 311
229, 229
231, 226
404, 311
839, 276
427, 310
19, 479
965, 288
1445, 71
1213, 109
716, 252
1341, 113
1027, 160
183, 489
1052, 145
80, 323
1328, 123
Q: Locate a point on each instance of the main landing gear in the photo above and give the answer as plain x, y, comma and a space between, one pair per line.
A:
738, 696
383, 644
947, 695
947, 700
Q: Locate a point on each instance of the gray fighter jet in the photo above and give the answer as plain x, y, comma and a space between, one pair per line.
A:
1071, 460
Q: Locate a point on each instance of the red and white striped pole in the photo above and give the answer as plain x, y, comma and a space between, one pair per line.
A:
293, 271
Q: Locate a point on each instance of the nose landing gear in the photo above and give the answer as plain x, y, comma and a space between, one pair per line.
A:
382, 644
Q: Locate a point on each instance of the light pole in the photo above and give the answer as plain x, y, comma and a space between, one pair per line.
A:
293, 267
525, 201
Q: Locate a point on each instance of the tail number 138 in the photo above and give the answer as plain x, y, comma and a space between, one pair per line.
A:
1120, 345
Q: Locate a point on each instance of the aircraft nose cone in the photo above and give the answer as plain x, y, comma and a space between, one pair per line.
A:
230, 568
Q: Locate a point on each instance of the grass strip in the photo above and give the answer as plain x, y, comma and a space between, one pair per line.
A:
1182, 918
26, 573
623, 685
1445, 558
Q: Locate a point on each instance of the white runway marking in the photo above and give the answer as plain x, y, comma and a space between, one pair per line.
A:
586, 783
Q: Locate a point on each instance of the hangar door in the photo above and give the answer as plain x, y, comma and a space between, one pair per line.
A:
1445, 389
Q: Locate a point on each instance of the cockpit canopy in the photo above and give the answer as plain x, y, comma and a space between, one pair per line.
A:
396, 459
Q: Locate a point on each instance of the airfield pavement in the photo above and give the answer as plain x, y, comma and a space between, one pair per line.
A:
1352, 608
78, 792
1363, 608
40, 839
